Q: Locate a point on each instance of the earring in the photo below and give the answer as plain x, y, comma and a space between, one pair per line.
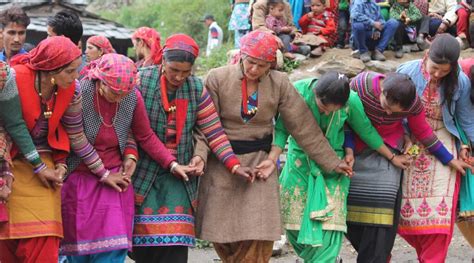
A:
101, 92
53, 81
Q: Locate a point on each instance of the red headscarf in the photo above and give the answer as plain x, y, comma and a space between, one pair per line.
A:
101, 42
116, 71
152, 39
50, 54
182, 42
259, 45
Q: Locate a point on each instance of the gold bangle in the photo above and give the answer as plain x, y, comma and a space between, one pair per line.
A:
234, 168
131, 156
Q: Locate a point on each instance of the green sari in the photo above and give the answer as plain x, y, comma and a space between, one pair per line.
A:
314, 201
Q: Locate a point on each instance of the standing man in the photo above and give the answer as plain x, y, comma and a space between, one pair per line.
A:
66, 23
215, 36
14, 23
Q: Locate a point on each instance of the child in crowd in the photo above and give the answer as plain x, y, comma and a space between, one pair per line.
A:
277, 22
318, 28
343, 23
463, 12
409, 18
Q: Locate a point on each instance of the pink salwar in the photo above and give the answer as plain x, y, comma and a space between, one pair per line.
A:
433, 248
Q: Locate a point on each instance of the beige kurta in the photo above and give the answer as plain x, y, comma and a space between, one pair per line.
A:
229, 208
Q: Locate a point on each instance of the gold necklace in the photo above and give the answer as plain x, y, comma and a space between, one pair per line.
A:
100, 114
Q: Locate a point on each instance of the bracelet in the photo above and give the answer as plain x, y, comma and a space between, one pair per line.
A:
173, 167
103, 177
63, 165
234, 168
39, 168
131, 157
393, 157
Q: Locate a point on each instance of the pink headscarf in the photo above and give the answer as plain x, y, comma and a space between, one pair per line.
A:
116, 71
152, 39
182, 42
50, 54
260, 45
101, 42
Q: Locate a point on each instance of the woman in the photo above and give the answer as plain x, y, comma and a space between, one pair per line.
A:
466, 193
12, 124
239, 20
96, 46
374, 197
46, 86
97, 207
177, 105
146, 42
311, 197
241, 219
430, 190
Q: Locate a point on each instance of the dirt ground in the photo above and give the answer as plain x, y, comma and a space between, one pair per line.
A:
459, 251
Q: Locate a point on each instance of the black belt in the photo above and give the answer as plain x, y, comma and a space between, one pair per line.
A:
243, 147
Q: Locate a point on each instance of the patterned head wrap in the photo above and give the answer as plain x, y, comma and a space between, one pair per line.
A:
259, 45
116, 71
101, 42
182, 42
50, 54
152, 39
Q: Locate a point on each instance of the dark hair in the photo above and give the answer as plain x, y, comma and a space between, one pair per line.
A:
272, 3
399, 89
322, 2
332, 88
471, 77
445, 49
179, 56
66, 23
14, 14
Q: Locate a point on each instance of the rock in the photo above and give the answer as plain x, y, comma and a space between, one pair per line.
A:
343, 64
382, 66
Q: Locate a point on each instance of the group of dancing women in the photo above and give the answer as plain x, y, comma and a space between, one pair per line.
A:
142, 161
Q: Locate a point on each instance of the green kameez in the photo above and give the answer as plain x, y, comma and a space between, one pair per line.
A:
313, 201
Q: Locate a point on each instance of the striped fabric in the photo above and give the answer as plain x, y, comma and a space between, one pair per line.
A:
200, 112
367, 85
79, 122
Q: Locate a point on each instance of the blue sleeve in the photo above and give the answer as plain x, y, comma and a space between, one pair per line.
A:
358, 14
464, 107
349, 140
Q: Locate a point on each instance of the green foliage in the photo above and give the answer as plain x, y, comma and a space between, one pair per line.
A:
203, 243
217, 58
289, 65
168, 17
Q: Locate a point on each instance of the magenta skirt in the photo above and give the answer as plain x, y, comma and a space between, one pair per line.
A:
96, 218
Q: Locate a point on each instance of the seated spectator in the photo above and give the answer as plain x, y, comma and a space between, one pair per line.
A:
464, 10
370, 30
318, 26
409, 18
442, 19
278, 23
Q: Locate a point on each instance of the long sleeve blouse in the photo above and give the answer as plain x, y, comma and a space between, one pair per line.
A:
390, 127
94, 156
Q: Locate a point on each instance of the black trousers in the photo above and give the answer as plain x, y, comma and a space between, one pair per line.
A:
175, 254
374, 243
401, 36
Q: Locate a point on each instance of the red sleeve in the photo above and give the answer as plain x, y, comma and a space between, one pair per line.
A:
131, 146
146, 138
304, 22
330, 27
